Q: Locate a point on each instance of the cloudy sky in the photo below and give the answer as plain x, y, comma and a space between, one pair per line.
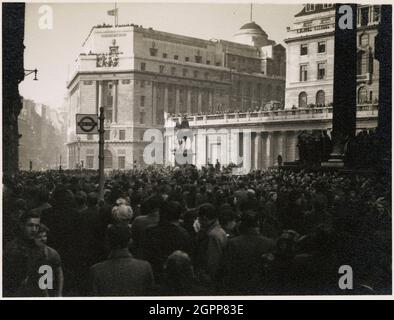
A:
52, 52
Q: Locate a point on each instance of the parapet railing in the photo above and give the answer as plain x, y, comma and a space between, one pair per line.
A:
363, 110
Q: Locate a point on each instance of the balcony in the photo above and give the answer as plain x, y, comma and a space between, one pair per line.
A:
286, 115
310, 30
366, 77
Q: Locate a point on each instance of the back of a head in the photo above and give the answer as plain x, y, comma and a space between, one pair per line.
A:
118, 236
151, 204
170, 211
92, 199
249, 220
208, 210
179, 266
43, 195
80, 198
122, 213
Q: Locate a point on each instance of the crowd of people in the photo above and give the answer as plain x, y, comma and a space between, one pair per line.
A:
183, 231
314, 148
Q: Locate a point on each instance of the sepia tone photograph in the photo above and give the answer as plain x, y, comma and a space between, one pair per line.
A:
196, 149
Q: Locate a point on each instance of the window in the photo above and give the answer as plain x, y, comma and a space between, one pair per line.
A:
310, 7
153, 52
364, 40
126, 81
185, 72
303, 49
302, 100
121, 162
321, 47
161, 69
142, 83
327, 5
89, 162
187, 59
217, 64
142, 101
106, 134
303, 73
198, 59
143, 65
176, 57
362, 67
321, 71
142, 117
107, 159
173, 71
208, 62
206, 75
195, 74
376, 13
320, 98
364, 16
164, 55
362, 95
122, 134
109, 100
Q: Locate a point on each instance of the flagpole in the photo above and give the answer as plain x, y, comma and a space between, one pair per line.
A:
116, 16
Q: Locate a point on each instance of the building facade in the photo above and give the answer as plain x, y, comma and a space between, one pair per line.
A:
40, 127
310, 56
253, 140
140, 76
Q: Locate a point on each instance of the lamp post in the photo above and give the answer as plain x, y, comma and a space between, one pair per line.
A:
79, 151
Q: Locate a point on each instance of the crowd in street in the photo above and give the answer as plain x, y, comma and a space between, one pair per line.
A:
183, 231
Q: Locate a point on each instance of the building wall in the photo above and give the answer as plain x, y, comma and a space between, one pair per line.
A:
312, 28
157, 74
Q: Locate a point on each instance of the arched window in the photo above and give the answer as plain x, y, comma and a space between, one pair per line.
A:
107, 159
320, 98
362, 95
302, 100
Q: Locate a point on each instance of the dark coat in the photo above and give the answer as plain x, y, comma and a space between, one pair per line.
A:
121, 275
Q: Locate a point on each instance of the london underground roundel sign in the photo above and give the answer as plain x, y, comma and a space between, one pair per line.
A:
87, 124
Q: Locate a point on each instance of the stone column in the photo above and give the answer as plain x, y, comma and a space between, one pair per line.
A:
268, 149
165, 98
114, 101
257, 150
199, 101
177, 109
189, 101
263, 161
247, 154
210, 103
201, 152
154, 102
253, 150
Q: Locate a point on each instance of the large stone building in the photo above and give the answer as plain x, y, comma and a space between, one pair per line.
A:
260, 137
140, 75
310, 56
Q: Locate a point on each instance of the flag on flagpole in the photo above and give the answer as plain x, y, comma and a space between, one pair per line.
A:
112, 12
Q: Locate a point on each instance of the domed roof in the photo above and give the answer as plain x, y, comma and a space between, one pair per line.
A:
252, 26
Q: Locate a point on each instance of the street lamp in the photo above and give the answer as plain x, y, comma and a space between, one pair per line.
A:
30, 71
